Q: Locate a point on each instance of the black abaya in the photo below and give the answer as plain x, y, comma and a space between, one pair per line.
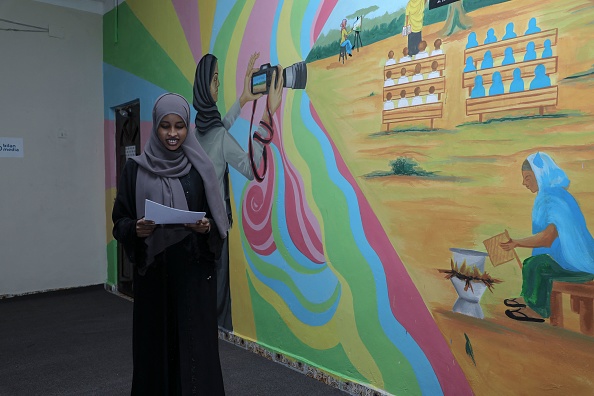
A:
175, 338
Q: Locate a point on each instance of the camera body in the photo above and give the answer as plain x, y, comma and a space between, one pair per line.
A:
262, 79
294, 76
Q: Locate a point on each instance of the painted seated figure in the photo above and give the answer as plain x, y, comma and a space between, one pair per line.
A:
491, 38
496, 85
532, 28
469, 65
434, 73
487, 60
417, 100
472, 42
530, 52
391, 60
405, 56
562, 246
389, 82
508, 58
509, 32
422, 53
403, 79
478, 91
388, 104
540, 80
418, 76
547, 52
432, 97
402, 102
437, 46
517, 84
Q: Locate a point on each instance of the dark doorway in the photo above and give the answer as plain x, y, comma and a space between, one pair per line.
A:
127, 117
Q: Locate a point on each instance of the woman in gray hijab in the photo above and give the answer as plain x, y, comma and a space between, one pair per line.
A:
222, 148
175, 337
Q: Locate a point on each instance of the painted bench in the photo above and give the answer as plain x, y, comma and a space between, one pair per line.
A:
582, 303
517, 44
529, 99
507, 71
438, 83
413, 113
410, 66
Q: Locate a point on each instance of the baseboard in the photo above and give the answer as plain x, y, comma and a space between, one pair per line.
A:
350, 387
58, 291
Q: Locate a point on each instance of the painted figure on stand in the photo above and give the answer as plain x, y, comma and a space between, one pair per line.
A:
487, 62
478, 91
472, 42
491, 38
540, 80
517, 84
530, 52
509, 32
508, 58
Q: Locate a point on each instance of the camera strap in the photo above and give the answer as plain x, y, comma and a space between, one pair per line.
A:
265, 141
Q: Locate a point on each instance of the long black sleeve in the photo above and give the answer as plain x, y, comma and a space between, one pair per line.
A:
124, 211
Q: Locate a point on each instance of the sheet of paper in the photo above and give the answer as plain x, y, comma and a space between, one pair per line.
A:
162, 214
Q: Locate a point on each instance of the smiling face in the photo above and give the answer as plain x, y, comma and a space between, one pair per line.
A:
172, 131
214, 83
529, 180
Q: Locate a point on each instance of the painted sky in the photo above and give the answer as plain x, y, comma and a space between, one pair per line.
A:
348, 7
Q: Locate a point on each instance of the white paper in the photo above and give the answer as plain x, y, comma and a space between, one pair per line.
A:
162, 214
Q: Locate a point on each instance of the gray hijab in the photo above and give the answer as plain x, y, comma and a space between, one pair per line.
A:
159, 172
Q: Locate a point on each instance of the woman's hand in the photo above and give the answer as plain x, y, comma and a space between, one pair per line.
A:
144, 228
275, 95
247, 95
201, 226
509, 245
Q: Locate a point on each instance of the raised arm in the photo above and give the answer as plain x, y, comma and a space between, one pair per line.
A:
545, 238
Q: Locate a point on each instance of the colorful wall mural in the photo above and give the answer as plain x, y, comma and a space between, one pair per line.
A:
361, 251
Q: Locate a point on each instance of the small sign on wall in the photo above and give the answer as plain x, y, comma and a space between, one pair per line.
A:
439, 3
11, 147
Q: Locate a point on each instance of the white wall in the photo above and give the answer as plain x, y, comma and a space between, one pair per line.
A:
52, 201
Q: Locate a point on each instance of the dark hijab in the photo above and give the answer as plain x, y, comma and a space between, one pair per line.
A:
208, 116
159, 172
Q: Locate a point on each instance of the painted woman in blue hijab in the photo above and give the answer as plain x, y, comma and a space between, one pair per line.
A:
562, 246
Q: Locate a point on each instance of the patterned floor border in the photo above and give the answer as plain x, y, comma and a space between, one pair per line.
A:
352, 388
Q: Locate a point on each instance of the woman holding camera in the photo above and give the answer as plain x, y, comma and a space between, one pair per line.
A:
175, 339
213, 134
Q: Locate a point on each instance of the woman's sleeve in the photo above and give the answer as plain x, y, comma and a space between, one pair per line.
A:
232, 115
238, 158
123, 214
214, 240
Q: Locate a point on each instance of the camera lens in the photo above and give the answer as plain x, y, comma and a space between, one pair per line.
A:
295, 76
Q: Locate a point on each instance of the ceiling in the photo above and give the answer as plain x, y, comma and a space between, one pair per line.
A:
94, 6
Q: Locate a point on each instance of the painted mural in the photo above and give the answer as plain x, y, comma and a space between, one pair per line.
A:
388, 237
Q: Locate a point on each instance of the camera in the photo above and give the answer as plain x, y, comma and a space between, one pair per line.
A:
295, 77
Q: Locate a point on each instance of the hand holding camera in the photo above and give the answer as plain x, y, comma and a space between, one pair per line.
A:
275, 94
247, 95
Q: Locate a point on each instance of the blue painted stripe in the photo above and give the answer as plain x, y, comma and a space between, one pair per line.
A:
221, 13
392, 328
306, 26
273, 38
120, 86
303, 314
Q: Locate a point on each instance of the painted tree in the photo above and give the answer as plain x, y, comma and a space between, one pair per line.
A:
456, 20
